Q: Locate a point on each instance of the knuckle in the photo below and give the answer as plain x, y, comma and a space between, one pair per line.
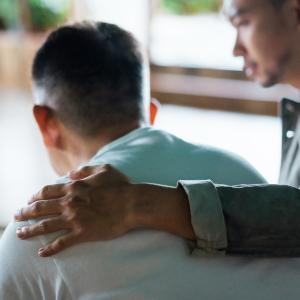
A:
76, 185
69, 218
75, 216
68, 205
59, 244
44, 191
85, 169
36, 207
43, 227
72, 202
107, 167
81, 231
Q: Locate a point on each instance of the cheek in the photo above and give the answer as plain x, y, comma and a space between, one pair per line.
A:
263, 47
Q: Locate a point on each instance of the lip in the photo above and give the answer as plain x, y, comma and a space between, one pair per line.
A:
250, 69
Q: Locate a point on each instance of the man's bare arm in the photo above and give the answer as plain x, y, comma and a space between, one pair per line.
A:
103, 207
256, 219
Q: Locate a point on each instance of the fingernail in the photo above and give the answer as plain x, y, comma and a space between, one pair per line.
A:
40, 252
20, 232
17, 213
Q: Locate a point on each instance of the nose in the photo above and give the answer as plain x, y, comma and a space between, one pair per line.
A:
238, 49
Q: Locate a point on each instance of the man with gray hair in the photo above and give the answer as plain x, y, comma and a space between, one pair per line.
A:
260, 220
90, 108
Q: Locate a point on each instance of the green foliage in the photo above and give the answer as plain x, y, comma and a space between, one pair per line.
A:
43, 14
191, 6
8, 13
46, 13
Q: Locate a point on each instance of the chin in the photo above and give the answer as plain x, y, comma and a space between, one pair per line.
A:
269, 80
267, 84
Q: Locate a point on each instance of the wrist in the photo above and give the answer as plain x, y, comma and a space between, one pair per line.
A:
146, 204
133, 212
139, 206
161, 208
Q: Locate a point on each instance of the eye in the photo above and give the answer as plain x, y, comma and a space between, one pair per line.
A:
241, 22
244, 23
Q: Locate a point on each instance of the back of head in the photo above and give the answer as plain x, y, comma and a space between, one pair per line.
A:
277, 3
91, 76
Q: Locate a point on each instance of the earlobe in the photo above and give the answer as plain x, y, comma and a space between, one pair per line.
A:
48, 126
154, 107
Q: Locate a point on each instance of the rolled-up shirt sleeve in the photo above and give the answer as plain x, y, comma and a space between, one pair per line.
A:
258, 220
206, 215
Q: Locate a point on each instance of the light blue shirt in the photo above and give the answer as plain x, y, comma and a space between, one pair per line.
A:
143, 264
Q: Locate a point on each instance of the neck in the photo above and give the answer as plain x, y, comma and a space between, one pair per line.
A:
295, 81
83, 149
293, 69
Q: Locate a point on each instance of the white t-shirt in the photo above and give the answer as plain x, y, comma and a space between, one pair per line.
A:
146, 264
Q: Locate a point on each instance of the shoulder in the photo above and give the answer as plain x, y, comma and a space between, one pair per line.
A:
11, 247
24, 275
166, 139
229, 163
220, 165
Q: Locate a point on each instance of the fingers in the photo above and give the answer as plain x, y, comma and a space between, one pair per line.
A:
50, 192
84, 172
43, 227
59, 244
39, 208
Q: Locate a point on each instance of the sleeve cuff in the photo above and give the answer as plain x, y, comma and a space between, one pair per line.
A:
207, 216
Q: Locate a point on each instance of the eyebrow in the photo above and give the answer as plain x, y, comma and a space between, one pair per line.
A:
238, 12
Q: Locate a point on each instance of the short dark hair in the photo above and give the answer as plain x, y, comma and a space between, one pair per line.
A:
93, 72
277, 3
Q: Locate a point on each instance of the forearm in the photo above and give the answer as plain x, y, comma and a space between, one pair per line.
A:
162, 208
253, 219
262, 220
256, 220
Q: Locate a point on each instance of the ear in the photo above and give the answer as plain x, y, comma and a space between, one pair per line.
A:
295, 4
298, 12
154, 107
48, 126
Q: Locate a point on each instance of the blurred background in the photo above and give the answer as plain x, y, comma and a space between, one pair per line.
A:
204, 94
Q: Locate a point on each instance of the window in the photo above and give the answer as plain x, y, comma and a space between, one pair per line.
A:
191, 46
203, 39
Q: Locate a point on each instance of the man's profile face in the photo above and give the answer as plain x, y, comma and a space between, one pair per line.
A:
264, 38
